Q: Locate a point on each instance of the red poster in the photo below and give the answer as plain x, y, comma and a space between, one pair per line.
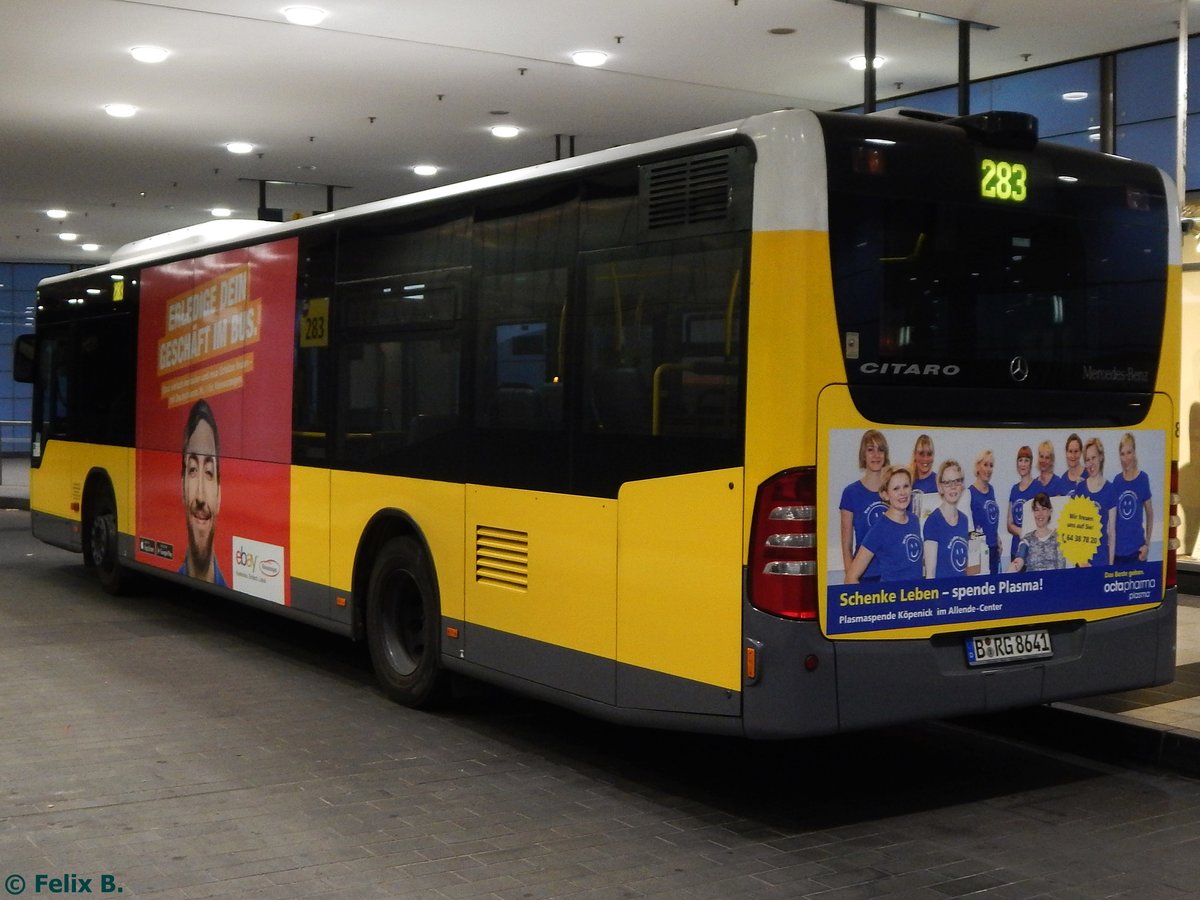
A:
214, 417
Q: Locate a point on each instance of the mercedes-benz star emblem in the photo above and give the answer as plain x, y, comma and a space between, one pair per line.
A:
1018, 368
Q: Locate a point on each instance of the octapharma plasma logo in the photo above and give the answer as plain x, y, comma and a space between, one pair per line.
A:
68, 883
258, 569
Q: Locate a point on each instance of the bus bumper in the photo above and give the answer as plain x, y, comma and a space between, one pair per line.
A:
808, 685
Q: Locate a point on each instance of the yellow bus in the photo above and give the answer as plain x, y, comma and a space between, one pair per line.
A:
800, 424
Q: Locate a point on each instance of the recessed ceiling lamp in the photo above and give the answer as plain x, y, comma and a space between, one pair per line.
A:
90, 248
67, 236
1075, 96
304, 15
120, 110
589, 58
221, 212
859, 63
148, 54
425, 170
57, 213
505, 131
239, 147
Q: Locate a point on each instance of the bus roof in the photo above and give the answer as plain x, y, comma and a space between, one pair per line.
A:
213, 235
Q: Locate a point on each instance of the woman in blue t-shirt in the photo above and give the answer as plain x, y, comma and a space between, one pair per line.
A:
1023, 490
945, 532
861, 504
924, 481
1074, 472
1103, 494
1047, 482
894, 541
1135, 509
985, 511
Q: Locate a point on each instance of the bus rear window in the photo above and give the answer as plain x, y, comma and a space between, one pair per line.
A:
946, 276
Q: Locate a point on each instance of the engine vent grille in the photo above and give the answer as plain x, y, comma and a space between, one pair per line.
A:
688, 191
699, 194
502, 557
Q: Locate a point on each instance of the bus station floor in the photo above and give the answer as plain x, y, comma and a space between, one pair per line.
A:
1160, 725
160, 744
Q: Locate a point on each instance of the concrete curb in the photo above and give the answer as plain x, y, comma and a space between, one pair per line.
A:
1098, 735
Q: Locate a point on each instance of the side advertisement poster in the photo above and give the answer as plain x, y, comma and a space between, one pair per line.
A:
214, 416
956, 526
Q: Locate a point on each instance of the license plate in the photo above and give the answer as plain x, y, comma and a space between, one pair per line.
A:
993, 648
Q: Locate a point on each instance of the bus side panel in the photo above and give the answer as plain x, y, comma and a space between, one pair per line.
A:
309, 545
542, 566
434, 507
56, 491
796, 352
679, 580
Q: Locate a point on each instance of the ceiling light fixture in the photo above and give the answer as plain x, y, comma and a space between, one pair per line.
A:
239, 147
90, 248
304, 15
589, 58
425, 170
505, 131
221, 212
67, 236
149, 54
120, 110
1075, 96
859, 63
57, 213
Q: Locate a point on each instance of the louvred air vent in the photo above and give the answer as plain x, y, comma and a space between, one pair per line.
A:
502, 557
688, 192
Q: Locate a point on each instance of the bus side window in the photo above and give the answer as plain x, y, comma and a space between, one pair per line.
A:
401, 363
523, 246
315, 314
55, 379
663, 341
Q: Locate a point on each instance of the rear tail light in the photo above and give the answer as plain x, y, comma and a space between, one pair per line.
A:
1172, 543
783, 545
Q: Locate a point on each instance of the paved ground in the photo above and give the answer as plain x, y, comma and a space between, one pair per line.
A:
185, 748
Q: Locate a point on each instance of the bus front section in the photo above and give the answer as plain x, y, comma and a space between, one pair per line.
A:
988, 521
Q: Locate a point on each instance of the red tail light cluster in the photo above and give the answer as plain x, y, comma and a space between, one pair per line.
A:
783, 545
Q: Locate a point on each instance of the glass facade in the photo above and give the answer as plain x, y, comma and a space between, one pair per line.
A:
18, 289
1144, 97
1144, 130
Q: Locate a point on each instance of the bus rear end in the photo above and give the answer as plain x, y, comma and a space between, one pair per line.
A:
962, 419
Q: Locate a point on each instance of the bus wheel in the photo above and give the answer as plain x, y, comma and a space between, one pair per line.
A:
101, 551
403, 623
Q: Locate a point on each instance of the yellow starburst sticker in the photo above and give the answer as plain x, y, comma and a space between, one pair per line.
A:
1079, 530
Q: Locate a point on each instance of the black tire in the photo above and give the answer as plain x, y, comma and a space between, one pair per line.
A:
100, 542
404, 624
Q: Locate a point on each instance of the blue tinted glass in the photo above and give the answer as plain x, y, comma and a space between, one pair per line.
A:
1151, 142
1193, 153
1040, 92
944, 101
26, 276
1146, 83
1081, 139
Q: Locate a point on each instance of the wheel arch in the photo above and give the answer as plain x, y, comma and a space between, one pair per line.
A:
96, 483
383, 526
